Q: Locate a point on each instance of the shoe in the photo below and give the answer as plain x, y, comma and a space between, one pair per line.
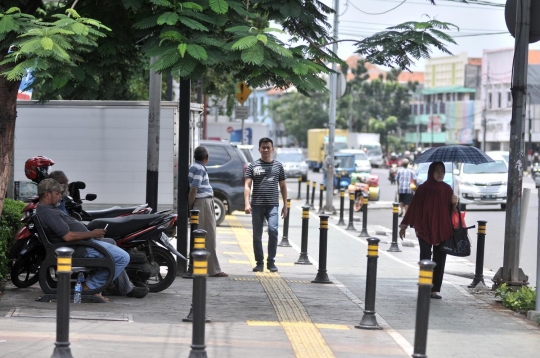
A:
220, 274
259, 268
138, 292
112, 291
271, 267
436, 296
400, 214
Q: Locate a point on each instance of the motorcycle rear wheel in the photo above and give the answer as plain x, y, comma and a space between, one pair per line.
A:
165, 260
25, 270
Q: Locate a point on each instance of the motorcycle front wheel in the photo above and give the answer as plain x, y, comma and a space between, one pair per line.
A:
165, 268
25, 270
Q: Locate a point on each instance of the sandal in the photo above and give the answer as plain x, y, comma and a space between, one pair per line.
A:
220, 274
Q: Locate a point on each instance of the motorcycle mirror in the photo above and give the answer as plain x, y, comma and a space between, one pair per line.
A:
79, 185
90, 197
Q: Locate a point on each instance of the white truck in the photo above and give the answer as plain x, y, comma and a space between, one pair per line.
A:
371, 144
104, 144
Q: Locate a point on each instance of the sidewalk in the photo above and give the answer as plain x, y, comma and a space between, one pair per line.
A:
281, 314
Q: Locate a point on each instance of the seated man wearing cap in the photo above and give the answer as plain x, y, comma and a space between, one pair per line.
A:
60, 227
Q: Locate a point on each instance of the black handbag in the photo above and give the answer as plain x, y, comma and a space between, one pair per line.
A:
459, 244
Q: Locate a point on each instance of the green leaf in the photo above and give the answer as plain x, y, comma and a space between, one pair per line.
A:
173, 35
192, 6
219, 6
421, 25
273, 29
280, 50
238, 29
197, 52
184, 68
47, 43
301, 69
244, 43
192, 24
73, 13
182, 49
262, 38
80, 29
253, 55
12, 10
169, 18
7, 24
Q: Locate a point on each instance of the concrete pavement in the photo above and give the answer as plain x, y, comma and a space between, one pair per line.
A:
283, 314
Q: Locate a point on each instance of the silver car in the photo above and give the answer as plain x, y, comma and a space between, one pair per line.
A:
361, 160
294, 163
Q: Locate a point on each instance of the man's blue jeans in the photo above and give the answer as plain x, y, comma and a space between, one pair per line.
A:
258, 214
120, 258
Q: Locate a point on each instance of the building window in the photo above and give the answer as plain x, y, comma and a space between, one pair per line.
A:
499, 100
460, 96
448, 97
472, 96
490, 100
439, 97
508, 99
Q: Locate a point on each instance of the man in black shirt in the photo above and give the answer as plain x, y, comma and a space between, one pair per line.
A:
268, 178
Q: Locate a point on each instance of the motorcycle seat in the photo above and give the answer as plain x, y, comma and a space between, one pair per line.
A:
108, 213
123, 225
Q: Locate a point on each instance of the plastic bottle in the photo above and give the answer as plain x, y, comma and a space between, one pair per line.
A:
78, 288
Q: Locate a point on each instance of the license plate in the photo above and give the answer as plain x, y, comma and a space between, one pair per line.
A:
488, 196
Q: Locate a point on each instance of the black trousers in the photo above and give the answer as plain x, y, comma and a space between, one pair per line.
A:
439, 258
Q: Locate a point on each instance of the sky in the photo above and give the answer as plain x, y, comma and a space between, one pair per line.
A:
478, 24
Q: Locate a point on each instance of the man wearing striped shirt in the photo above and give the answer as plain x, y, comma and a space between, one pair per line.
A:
268, 178
404, 178
201, 197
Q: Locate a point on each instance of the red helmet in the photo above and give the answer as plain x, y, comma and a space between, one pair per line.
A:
36, 168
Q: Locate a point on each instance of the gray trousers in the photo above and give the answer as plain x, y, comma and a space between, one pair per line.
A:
207, 221
121, 282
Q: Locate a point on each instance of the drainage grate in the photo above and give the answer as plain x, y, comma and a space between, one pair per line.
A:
93, 316
256, 280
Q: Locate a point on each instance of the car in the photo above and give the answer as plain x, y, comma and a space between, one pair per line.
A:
483, 184
226, 169
374, 153
363, 165
247, 150
502, 153
293, 162
449, 176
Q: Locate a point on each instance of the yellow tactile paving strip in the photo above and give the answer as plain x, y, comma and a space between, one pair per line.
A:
305, 337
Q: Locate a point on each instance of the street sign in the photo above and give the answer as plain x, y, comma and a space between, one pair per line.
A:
241, 112
243, 92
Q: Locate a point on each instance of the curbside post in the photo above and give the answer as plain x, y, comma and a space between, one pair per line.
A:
200, 272
313, 186
322, 276
63, 264
425, 282
369, 321
341, 222
351, 212
199, 243
307, 193
480, 245
304, 259
364, 232
285, 239
299, 188
321, 191
394, 247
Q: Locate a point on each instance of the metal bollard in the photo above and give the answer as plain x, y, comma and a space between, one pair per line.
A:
364, 232
369, 321
322, 276
341, 222
307, 193
199, 243
285, 240
313, 186
63, 263
321, 191
479, 271
425, 282
338, 186
304, 259
394, 247
351, 212
193, 225
299, 188
200, 272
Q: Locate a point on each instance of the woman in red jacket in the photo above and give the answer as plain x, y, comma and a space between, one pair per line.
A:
430, 214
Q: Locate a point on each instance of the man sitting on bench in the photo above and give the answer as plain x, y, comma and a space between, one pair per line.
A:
60, 227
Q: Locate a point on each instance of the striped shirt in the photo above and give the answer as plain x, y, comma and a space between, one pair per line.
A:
198, 178
266, 178
403, 178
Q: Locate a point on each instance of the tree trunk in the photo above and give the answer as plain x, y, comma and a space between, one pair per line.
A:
8, 114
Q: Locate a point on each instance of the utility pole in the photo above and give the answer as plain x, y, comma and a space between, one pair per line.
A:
152, 156
484, 112
510, 273
329, 207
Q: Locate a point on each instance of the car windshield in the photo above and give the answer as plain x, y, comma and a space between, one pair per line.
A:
498, 166
373, 149
344, 162
360, 156
290, 157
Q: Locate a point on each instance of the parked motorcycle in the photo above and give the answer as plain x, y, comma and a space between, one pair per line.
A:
152, 263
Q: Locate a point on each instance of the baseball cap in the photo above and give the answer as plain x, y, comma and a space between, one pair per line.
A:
48, 185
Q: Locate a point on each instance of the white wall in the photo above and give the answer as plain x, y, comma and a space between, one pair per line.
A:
103, 143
